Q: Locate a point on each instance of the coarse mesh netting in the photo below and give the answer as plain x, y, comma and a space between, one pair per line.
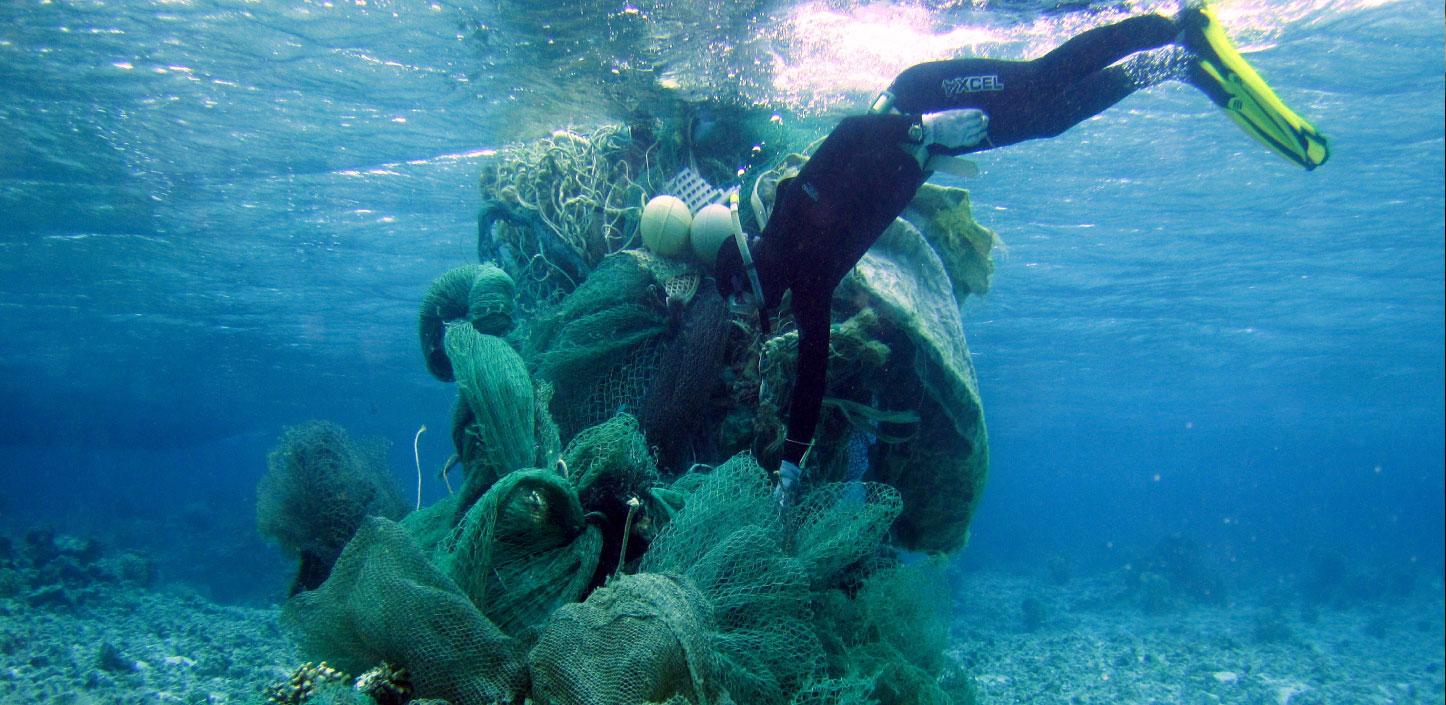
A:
599, 347
523, 550
610, 462
480, 293
493, 383
837, 691
491, 300
734, 615
735, 595
319, 486
430, 525
624, 567
642, 639
838, 524
733, 601
385, 602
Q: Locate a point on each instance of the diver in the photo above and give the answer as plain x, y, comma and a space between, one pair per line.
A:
868, 169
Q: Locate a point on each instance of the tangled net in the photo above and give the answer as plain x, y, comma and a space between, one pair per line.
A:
624, 567
558, 205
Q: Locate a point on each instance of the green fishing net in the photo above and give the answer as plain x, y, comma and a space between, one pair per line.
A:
480, 293
733, 601
837, 691
599, 347
737, 600
493, 383
716, 601
523, 550
430, 525
385, 602
594, 555
610, 462
909, 284
490, 301
642, 639
318, 487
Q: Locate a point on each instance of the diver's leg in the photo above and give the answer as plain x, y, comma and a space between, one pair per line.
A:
1087, 97
1047, 109
1093, 95
1097, 48
934, 86
1009, 91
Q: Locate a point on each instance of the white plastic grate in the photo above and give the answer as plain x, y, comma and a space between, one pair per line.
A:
690, 186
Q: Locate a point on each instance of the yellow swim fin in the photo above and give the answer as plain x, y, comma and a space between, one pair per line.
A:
1223, 74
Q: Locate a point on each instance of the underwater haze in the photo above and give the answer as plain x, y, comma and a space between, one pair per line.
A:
218, 218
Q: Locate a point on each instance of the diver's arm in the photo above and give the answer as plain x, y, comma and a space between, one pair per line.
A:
811, 313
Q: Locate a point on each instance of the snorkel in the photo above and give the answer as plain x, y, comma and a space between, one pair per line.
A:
883, 103
748, 266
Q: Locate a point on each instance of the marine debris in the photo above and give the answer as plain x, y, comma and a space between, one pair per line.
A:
615, 540
319, 486
556, 206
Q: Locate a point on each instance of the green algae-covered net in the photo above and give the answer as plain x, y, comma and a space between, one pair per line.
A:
386, 602
319, 486
480, 293
523, 550
599, 346
615, 539
493, 383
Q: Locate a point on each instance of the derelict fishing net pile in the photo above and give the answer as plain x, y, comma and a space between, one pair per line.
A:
613, 537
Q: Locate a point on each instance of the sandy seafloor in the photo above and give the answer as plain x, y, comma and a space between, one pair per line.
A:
1095, 645
115, 639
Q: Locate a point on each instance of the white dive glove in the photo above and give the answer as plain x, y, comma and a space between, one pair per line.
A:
789, 476
955, 129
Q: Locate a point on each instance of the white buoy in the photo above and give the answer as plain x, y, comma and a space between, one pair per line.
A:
665, 226
712, 226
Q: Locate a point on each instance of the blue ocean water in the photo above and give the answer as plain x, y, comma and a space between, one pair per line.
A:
217, 219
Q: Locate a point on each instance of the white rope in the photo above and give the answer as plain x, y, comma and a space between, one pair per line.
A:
417, 457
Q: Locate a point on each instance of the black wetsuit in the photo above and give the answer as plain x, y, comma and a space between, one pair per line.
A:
861, 177
1040, 98
824, 220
